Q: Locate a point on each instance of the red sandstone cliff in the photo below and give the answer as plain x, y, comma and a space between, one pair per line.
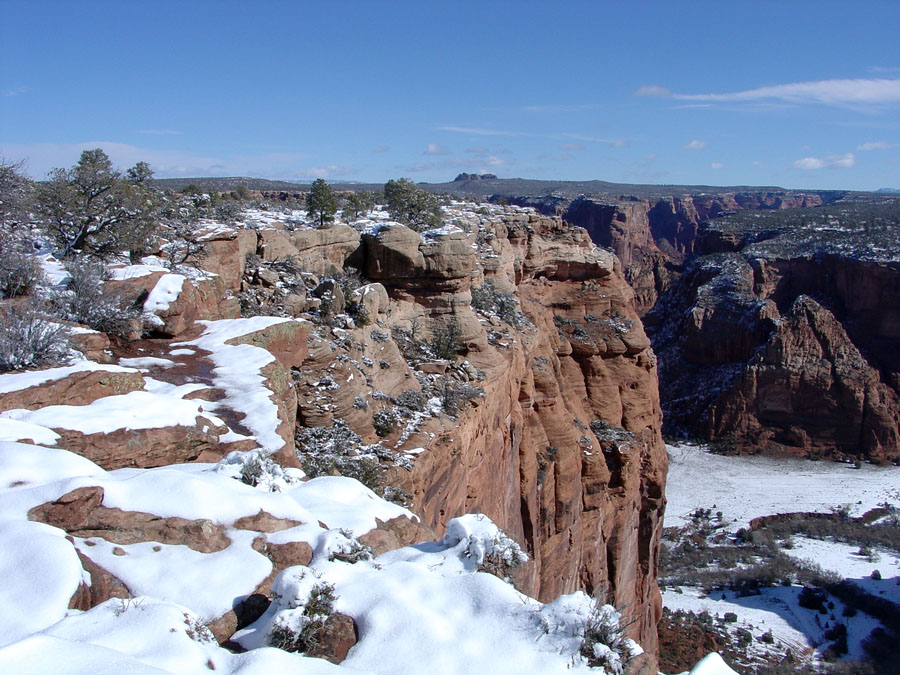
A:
563, 450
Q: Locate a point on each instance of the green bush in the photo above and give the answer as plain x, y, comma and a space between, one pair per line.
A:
446, 340
384, 421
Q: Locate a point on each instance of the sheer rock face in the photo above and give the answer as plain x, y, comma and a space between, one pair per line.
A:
587, 510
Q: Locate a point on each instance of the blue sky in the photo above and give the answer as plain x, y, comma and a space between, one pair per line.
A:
797, 94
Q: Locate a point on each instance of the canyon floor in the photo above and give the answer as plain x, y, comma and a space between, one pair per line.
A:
718, 505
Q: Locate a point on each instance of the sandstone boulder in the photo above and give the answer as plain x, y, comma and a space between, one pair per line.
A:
143, 448
325, 250
393, 253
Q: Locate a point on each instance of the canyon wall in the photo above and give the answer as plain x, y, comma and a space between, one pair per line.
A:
563, 450
772, 336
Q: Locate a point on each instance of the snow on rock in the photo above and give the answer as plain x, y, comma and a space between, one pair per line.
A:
194, 492
135, 410
439, 232
40, 572
32, 378
164, 293
712, 664
15, 430
22, 464
146, 569
424, 606
145, 362
143, 636
345, 503
237, 373
135, 271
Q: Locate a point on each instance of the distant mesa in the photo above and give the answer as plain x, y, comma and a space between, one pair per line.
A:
466, 177
890, 191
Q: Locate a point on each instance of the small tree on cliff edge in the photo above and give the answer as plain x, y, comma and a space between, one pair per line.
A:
321, 204
411, 205
93, 209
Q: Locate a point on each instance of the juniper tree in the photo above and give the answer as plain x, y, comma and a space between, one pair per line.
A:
93, 209
411, 205
358, 203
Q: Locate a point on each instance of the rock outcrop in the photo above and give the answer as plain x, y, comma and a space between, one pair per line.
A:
653, 236
564, 450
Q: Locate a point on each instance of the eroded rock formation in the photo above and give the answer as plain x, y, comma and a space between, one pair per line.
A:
564, 449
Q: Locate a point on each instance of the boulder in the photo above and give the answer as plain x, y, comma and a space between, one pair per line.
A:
143, 448
326, 250
81, 514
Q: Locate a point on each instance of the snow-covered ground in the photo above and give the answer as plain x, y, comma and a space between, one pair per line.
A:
419, 609
845, 559
775, 610
743, 488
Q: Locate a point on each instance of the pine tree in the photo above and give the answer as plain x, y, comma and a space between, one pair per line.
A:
321, 204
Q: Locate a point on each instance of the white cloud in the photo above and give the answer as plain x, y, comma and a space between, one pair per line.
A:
15, 92
695, 145
717, 165
877, 145
380, 148
478, 150
493, 160
619, 143
436, 149
827, 92
652, 90
809, 163
844, 161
